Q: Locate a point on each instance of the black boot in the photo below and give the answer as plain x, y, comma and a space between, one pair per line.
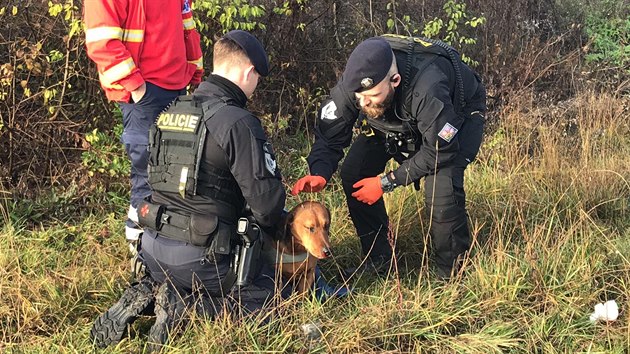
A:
111, 327
171, 316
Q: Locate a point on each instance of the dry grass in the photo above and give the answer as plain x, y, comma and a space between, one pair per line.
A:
548, 202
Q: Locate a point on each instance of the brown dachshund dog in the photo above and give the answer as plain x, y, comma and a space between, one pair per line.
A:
302, 240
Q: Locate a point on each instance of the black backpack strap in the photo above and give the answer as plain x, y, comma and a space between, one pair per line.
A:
212, 105
456, 61
209, 106
413, 45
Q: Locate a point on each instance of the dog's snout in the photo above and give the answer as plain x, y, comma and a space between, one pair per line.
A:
327, 252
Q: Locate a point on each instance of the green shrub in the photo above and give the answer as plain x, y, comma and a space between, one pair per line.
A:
610, 41
220, 16
452, 29
106, 155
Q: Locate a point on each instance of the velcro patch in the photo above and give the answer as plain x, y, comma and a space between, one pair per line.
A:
448, 132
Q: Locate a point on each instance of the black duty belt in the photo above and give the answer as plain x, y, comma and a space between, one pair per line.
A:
194, 229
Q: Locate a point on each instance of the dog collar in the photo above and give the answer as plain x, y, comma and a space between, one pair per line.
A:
275, 256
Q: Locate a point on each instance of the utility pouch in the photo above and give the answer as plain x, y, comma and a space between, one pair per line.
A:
201, 229
399, 136
150, 215
389, 126
222, 241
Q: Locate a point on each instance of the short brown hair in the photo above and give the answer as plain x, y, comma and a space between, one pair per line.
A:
226, 51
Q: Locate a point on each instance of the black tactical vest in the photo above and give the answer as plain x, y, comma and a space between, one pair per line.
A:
176, 143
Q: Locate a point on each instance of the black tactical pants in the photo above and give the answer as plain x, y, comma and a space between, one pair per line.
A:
445, 202
191, 272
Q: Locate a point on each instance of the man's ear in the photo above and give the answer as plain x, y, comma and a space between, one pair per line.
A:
250, 70
395, 79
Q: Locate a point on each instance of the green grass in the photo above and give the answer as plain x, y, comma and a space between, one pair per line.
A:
548, 209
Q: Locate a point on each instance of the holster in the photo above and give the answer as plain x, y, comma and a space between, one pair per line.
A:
248, 256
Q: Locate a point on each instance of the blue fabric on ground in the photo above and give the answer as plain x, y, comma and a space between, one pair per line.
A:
323, 290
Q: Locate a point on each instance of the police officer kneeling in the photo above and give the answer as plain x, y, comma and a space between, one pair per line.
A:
415, 101
209, 159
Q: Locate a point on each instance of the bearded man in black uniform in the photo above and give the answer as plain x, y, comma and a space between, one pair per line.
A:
209, 159
415, 101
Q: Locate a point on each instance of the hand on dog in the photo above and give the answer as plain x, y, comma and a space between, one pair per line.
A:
370, 190
309, 183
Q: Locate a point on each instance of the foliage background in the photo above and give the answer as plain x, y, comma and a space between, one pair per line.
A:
51, 101
548, 196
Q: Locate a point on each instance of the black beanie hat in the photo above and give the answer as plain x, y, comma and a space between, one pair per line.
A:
253, 48
368, 64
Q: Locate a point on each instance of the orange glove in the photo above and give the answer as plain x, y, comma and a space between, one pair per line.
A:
309, 184
370, 190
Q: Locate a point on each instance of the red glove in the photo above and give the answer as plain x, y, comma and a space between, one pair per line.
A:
309, 184
370, 190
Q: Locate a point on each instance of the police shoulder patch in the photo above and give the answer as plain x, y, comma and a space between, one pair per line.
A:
448, 132
270, 160
329, 111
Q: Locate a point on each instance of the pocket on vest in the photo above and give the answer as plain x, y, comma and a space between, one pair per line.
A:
202, 228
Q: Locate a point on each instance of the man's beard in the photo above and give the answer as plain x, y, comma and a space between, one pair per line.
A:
375, 111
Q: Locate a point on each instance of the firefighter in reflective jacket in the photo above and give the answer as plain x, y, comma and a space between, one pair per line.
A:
146, 53
416, 102
209, 158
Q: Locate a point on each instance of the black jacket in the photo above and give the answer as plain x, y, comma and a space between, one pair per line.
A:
236, 142
429, 104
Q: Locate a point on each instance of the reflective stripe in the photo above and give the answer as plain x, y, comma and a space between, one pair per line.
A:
101, 33
108, 85
198, 62
130, 35
189, 24
132, 234
117, 72
132, 214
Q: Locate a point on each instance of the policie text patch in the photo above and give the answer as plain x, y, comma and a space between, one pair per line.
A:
448, 132
182, 122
